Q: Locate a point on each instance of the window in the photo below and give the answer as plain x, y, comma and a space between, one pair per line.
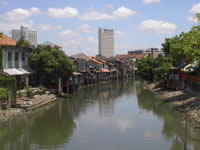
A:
23, 56
9, 60
9, 56
16, 59
16, 56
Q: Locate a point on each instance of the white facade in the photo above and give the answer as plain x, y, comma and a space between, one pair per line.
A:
155, 52
28, 35
106, 42
15, 58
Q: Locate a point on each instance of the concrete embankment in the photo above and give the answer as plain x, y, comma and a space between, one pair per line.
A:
27, 105
180, 101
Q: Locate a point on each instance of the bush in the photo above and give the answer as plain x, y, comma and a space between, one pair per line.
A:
158, 67
3, 94
29, 92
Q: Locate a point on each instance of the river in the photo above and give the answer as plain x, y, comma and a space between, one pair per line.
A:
118, 116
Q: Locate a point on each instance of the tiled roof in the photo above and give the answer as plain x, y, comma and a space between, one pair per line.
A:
105, 70
92, 58
6, 41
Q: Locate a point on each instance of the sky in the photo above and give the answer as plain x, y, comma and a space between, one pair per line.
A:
73, 24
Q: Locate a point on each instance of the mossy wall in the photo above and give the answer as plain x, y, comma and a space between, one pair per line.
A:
1, 57
11, 84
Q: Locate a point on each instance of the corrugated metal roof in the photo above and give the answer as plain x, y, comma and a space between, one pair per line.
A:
14, 71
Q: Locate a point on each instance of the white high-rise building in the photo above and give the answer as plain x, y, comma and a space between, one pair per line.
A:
106, 42
28, 35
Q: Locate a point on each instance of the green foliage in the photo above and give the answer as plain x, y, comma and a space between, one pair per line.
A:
3, 94
145, 67
1, 34
158, 67
198, 17
23, 43
184, 47
161, 71
1, 57
48, 64
8, 81
29, 92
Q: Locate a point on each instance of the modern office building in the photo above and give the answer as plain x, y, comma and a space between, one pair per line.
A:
106, 42
28, 35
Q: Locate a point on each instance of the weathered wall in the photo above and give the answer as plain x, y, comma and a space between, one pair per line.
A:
192, 87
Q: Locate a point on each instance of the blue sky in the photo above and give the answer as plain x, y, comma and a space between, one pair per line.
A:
74, 24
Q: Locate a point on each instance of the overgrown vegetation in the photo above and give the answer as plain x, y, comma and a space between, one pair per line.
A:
23, 43
1, 57
3, 94
180, 50
48, 64
29, 91
151, 68
1, 52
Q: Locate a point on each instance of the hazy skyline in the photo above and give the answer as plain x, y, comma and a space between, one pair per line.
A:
74, 24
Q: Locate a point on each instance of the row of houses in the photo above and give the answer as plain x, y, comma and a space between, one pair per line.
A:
90, 70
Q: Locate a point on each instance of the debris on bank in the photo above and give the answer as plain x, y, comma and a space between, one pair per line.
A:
180, 101
24, 104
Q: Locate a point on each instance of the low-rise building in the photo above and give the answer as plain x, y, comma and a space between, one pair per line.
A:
136, 52
14, 60
154, 52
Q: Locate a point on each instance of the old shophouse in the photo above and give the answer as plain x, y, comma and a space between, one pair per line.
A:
14, 60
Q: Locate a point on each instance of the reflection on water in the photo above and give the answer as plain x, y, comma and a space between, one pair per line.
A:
119, 116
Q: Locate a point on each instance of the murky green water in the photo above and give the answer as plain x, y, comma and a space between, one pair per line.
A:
119, 116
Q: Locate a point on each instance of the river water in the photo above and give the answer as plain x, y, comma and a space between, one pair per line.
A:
118, 116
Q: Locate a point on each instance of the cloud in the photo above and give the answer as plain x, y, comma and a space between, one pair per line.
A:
119, 13
67, 12
35, 10
195, 9
119, 34
151, 1
85, 28
48, 27
7, 27
68, 34
123, 12
20, 14
158, 27
192, 19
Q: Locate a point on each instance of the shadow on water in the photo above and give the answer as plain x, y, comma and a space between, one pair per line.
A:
54, 126
175, 127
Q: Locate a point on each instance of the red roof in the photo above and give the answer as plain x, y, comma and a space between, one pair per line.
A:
92, 58
105, 70
6, 41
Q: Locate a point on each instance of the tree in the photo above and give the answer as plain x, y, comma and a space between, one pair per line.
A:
23, 43
159, 67
184, 47
1, 52
49, 64
198, 17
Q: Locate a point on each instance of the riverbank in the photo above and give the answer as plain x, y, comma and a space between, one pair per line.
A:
41, 98
180, 101
25, 105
